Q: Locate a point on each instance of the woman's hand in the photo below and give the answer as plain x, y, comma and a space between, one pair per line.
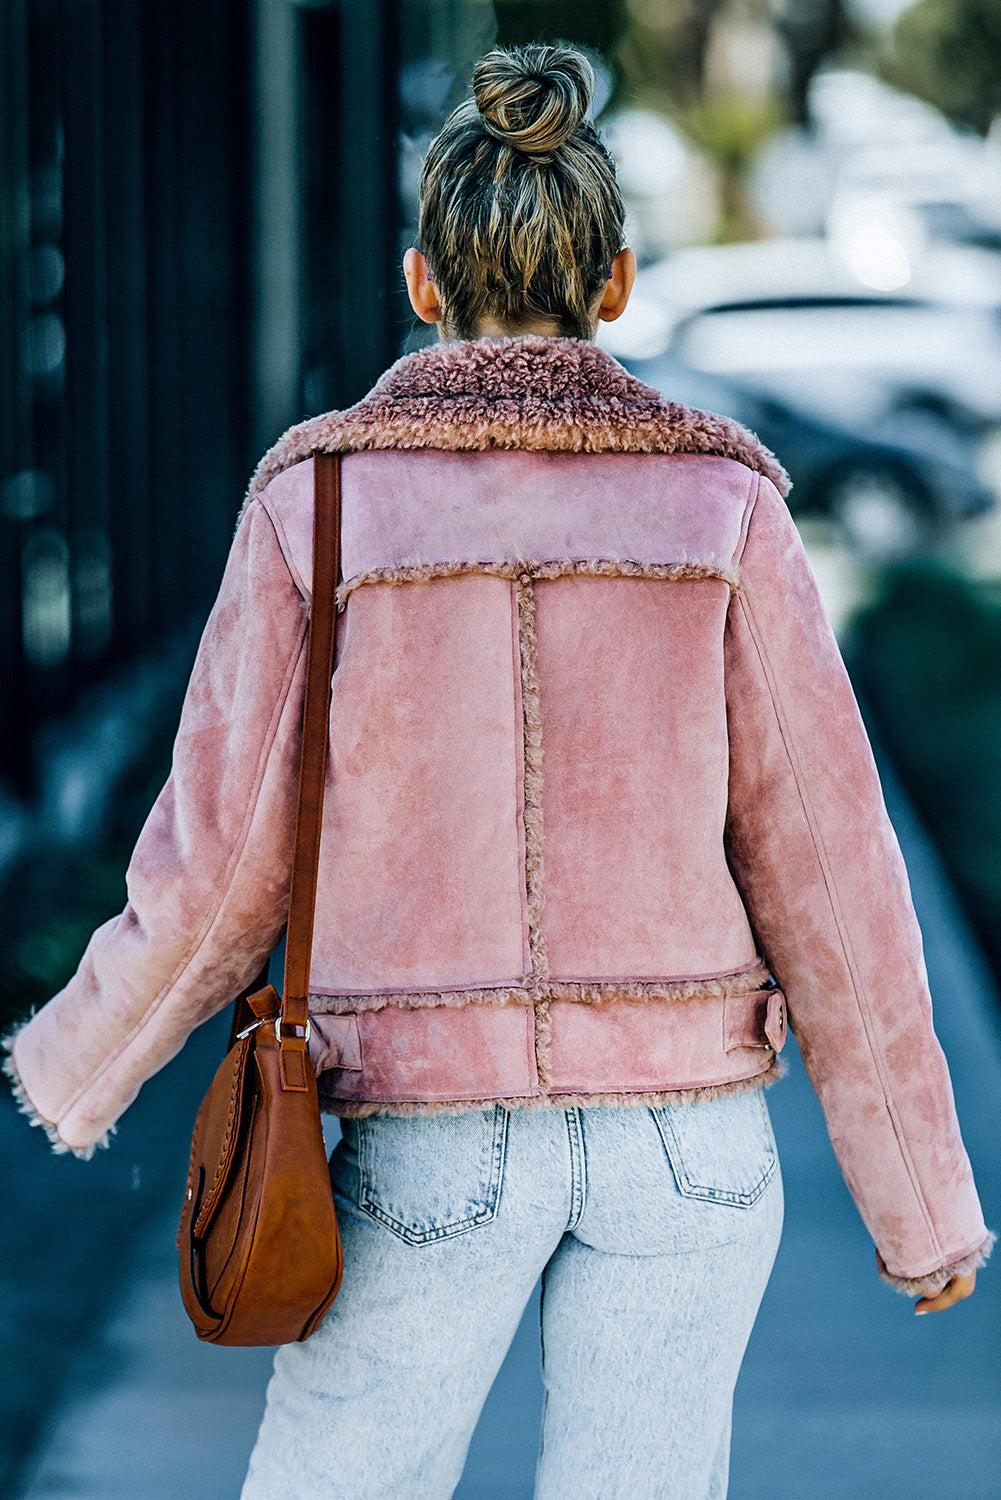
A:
954, 1291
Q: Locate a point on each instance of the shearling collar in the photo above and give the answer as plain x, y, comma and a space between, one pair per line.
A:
556, 395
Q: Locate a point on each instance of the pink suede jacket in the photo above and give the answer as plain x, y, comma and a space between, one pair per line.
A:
596, 775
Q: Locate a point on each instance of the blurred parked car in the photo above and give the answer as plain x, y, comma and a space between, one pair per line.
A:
789, 317
887, 499
915, 372
873, 154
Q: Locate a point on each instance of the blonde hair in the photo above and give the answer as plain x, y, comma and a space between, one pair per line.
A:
520, 212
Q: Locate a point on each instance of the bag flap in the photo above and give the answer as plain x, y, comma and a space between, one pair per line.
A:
217, 1129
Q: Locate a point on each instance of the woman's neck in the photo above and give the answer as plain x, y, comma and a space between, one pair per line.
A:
487, 329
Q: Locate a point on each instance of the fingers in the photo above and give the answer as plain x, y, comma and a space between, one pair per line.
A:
956, 1290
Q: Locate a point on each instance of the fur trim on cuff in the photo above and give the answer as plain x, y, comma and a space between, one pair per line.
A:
933, 1283
27, 1108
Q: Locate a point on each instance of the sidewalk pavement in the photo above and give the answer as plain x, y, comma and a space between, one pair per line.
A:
844, 1395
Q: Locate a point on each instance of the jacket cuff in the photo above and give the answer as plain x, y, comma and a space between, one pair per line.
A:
23, 1101
933, 1283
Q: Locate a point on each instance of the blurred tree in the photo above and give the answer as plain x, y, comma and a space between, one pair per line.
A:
811, 30
949, 52
731, 128
730, 72
597, 24
665, 52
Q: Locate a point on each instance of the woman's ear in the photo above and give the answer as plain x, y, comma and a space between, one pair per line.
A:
421, 289
620, 284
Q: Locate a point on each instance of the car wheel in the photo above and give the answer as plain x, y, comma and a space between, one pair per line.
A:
880, 515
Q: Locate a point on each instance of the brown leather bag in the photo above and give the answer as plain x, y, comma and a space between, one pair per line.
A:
260, 1251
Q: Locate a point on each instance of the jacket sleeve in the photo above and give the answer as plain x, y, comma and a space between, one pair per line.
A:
818, 865
208, 880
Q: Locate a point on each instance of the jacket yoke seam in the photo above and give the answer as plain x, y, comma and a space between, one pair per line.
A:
285, 546
753, 490
836, 910
227, 881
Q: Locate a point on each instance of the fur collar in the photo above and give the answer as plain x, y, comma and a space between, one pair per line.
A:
551, 395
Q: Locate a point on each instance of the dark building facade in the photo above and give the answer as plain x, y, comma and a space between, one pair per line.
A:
188, 193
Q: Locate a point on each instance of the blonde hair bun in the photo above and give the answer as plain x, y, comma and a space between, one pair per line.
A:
535, 98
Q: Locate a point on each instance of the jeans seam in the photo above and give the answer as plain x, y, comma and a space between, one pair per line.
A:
578, 1170
545, 1389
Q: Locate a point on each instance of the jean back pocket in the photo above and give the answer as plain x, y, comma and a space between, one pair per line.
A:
721, 1151
430, 1177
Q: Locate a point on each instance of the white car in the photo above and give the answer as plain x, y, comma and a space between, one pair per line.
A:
790, 319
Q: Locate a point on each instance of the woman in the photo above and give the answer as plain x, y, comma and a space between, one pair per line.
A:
598, 787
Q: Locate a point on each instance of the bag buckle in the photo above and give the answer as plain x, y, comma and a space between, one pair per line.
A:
278, 1030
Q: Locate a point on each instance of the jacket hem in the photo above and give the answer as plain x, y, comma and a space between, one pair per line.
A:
933, 1283
25, 1107
358, 1109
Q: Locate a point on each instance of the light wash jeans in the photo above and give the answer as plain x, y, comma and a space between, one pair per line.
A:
654, 1231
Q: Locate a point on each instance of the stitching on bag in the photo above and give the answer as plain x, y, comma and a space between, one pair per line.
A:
208, 1201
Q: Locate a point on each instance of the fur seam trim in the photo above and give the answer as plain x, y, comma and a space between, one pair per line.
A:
27, 1108
932, 1284
543, 1032
594, 567
532, 393
744, 981
533, 754
360, 1109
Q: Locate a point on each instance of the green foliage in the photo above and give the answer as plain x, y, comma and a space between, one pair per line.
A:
663, 55
927, 658
599, 24
949, 52
731, 128
55, 907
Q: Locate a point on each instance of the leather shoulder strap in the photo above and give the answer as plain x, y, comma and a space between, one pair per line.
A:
313, 766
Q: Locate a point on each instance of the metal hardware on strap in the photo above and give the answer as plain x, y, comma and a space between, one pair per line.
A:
278, 1030
304, 1038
